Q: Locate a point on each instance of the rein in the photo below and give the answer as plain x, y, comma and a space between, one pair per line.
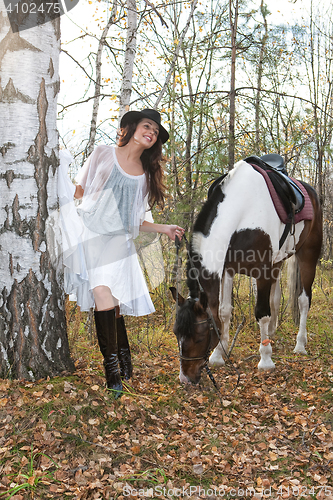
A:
210, 320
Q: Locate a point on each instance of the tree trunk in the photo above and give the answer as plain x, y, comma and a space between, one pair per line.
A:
233, 18
93, 124
126, 86
33, 336
263, 10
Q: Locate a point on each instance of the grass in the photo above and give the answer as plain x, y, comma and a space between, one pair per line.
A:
27, 480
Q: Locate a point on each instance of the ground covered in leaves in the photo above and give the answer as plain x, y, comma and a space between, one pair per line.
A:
270, 436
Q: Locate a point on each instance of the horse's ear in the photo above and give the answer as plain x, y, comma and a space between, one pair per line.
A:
181, 299
203, 300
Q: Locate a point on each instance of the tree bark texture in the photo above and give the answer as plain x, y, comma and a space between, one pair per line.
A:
233, 18
33, 336
101, 43
263, 11
130, 51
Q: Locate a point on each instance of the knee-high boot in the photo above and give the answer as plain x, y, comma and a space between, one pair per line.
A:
106, 329
124, 353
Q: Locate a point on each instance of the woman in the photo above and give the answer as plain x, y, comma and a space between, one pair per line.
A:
117, 185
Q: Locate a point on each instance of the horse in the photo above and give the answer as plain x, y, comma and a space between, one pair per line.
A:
238, 230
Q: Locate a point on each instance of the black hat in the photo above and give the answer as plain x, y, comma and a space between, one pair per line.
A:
152, 114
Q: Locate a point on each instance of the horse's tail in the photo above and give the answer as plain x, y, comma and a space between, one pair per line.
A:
294, 287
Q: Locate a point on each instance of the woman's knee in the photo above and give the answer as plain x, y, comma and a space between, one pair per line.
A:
103, 298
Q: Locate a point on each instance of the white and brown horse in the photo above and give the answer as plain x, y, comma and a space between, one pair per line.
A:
238, 231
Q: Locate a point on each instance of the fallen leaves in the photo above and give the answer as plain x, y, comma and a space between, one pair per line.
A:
274, 433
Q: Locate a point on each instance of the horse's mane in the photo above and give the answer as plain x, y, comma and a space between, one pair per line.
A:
186, 319
193, 259
208, 212
202, 226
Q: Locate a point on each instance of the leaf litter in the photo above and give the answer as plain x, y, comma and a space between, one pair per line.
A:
271, 437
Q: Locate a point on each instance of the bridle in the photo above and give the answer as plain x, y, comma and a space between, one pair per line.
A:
206, 355
210, 320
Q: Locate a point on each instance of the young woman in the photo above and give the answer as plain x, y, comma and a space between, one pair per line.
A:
118, 186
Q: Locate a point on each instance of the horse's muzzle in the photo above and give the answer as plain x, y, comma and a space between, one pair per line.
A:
191, 376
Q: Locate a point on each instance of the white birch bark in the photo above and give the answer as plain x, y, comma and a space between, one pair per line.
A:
233, 19
264, 39
33, 338
93, 124
130, 51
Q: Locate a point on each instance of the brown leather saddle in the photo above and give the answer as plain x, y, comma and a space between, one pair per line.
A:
288, 191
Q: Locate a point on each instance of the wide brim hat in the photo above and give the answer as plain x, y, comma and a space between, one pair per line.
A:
152, 114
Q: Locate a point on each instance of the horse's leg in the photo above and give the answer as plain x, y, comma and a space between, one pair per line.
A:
307, 265
274, 301
225, 310
263, 316
302, 336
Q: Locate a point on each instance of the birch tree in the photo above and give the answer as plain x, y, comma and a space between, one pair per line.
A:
96, 102
233, 19
33, 338
263, 10
130, 51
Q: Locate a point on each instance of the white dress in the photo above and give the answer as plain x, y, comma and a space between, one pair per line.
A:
97, 245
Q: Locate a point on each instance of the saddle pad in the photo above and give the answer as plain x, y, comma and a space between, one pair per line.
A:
307, 211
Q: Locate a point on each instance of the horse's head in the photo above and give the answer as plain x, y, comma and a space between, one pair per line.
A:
194, 335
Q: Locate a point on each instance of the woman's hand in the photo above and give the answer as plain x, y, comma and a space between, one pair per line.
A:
172, 231
78, 192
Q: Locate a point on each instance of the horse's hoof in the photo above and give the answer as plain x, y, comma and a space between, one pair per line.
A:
266, 366
300, 350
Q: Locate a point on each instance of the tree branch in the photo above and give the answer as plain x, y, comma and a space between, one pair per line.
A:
174, 59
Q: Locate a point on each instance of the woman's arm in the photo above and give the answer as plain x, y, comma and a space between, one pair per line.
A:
78, 192
169, 229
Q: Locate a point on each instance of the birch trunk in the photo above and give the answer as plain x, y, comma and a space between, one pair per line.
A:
130, 51
33, 337
101, 43
263, 10
233, 18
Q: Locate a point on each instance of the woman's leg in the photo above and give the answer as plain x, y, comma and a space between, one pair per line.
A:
104, 300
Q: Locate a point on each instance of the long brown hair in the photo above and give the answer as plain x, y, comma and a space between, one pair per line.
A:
151, 161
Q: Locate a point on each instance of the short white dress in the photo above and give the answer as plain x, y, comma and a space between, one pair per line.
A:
97, 245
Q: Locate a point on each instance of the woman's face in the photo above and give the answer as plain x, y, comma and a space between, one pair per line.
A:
146, 133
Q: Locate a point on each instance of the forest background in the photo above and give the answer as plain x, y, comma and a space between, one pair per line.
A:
228, 79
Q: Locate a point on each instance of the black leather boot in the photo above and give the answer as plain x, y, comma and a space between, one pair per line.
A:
124, 353
107, 339
100, 337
